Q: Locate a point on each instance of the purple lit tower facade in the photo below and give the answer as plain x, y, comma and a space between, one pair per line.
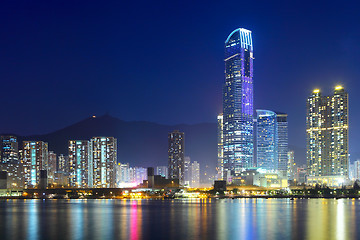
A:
238, 141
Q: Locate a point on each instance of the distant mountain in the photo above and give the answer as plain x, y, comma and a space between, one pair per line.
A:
139, 143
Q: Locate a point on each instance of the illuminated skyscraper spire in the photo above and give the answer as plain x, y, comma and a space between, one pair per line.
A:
238, 103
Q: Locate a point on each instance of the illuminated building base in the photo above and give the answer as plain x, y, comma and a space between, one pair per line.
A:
331, 181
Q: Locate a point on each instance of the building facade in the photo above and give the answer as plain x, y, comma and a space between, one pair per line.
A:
327, 134
104, 157
62, 163
357, 170
238, 142
267, 140
35, 158
52, 167
187, 171
80, 164
9, 149
10, 161
139, 175
176, 154
122, 174
351, 171
162, 171
127, 176
220, 140
282, 142
195, 175
291, 166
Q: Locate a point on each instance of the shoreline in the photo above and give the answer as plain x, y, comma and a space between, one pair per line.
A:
291, 197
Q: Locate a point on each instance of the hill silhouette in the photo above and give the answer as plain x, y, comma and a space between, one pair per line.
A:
140, 143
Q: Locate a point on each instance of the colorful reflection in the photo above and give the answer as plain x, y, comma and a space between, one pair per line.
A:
135, 220
313, 219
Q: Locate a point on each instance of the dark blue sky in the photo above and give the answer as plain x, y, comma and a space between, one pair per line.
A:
62, 61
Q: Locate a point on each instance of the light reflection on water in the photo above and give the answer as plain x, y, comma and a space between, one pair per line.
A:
180, 219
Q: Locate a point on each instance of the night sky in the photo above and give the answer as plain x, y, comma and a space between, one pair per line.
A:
62, 61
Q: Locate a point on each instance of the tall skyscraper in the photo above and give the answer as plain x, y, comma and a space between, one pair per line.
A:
282, 142
327, 134
238, 102
10, 161
187, 171
9, 149
35, 158
104, 157
267, 140
52, 166
220, 166
176, 153
61, 176
80, 164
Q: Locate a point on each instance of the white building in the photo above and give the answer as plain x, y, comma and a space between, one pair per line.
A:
195, 175
357, 170
35, 158
104, 156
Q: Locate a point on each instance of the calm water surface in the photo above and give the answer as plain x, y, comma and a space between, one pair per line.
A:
180, 219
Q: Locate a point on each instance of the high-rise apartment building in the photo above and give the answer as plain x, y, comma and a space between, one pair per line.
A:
9, 149
187, 171
122, 174
327, 134
104, 157
61, 176
52, 167
195, 175
291, 167
35, 158
282, 141
10, 161
267, 140
238, 103
176, 153
220, 140
80, 164
62, 163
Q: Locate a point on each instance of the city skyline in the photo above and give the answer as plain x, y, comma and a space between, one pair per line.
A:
242, 145
179, 120
237, 133
280, 67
